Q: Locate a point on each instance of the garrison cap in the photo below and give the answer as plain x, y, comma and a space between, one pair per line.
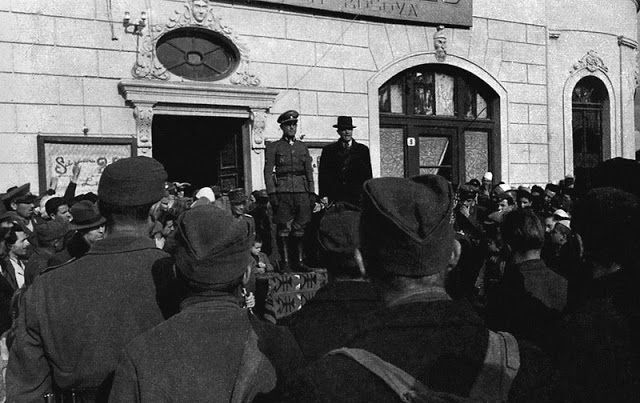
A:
406, 225
132, 182
212, 246
288, 116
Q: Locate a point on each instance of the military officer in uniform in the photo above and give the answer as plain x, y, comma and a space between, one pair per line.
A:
288, 176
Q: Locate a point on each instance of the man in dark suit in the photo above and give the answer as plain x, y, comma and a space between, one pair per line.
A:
344, 166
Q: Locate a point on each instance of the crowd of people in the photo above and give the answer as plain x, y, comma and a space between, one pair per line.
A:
436, 292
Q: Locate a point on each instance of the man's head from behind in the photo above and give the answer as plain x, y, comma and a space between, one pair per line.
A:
522, 230
339, 240
128, 188
406, 226
212, 249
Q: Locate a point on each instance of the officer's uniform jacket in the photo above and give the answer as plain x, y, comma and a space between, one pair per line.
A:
293, 170
76, 318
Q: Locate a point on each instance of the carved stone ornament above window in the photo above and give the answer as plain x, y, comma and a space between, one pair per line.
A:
591, 61
211, 50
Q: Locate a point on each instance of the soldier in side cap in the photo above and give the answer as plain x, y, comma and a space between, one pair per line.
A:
76, 319
213, 350
421, 335
288, 175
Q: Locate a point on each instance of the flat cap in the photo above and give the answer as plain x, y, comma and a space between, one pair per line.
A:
288, 116
339, 230
51, 230
212, 246
406, 225
132, 182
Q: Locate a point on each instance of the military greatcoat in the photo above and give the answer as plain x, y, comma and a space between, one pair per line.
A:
76, 318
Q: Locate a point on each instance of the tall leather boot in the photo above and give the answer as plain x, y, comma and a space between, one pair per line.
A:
283, 248
300, 266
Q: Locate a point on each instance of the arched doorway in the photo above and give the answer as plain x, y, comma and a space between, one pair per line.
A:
590, 112
437, 119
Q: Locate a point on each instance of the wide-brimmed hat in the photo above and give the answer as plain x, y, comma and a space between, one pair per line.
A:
344, 122
86, 215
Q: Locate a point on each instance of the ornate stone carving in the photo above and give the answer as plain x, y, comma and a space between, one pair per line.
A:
194, 13
259, 123
143, 113
591, 61
440, 44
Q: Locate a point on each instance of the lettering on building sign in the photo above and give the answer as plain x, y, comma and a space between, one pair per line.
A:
445, 12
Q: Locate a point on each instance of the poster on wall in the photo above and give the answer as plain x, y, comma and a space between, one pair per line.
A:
57, 156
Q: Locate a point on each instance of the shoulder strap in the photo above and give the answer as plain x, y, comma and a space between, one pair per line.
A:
408, 388
501, 364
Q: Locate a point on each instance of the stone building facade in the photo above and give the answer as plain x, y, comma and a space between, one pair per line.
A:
532, 90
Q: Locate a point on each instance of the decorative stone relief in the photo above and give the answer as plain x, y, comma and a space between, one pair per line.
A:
440, 44
591, 61
143, 113
259, 123
194, 13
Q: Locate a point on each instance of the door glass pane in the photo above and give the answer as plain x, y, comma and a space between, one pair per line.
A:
444, 95
476, 154
392, 151
423, 93
396, 98
435, 156
384, 102
481, 106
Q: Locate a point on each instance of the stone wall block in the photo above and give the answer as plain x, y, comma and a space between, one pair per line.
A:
513, 72
269, 50
356, 81
258, 23
519, 153
315, 78
400, 39
356, 34
50, 119
115, 64
536, 74
344, 57
379, 45
88, 34
518, 113
308, 103
536, 35
335, 104
101, 92
507, 31
314, 29
8, 121
493, 57
539, 153
478, 41
18, 148
526, 93
524, 53
538, 114
61, 8
536, 174
6, 61
270, 75
15, 174
27, 28
29, 89
527, 134
417, 39
118, 121
460, 43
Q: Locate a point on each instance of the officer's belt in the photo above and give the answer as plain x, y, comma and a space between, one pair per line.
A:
292, 173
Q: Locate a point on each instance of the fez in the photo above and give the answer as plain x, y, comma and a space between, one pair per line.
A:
288, 117
51, 230
339, 228
213, 246
86, 215
344, 122
406, 225
132, 181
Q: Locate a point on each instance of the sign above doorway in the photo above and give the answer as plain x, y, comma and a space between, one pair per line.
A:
431, 12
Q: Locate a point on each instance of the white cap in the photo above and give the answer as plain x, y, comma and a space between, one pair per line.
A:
560, 213
203, 196
504, 187
488, 176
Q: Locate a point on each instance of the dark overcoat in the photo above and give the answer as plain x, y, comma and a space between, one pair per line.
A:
343, 170
76, 318
201, 355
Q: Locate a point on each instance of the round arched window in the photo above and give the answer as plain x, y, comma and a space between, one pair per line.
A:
197, 54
